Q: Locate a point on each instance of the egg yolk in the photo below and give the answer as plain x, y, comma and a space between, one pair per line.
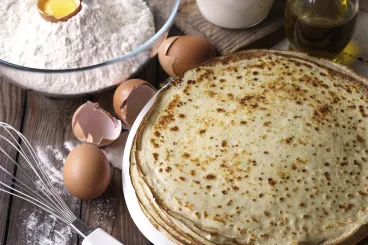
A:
59, 8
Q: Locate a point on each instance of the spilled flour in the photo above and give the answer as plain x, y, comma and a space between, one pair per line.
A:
49, 156
41, 228
101, 212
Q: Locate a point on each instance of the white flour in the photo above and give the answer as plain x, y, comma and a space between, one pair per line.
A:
69, 145
101, 211
49, 158
40, 229
99, 33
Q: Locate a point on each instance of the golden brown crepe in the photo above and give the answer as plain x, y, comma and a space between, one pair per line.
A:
259, 147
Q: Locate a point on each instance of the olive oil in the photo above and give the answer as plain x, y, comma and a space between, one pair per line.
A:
320, 27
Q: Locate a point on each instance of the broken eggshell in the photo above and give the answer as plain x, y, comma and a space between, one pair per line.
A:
182, 53
91, 124
166, 61
130, 98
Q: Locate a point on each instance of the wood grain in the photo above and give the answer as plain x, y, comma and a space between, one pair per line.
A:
191, 22
47, 125
11, 112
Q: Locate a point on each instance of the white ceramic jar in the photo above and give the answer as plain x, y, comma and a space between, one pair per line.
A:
235, 14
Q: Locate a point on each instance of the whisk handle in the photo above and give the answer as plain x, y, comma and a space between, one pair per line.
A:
100, 237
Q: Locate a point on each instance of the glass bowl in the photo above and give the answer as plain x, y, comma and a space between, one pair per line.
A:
111, 71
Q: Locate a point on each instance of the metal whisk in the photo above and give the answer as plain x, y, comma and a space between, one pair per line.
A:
41, 191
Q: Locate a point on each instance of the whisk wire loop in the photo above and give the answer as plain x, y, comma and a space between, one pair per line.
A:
44, 195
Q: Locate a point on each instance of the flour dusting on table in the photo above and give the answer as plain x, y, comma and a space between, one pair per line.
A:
102, 211
41, 230
70, 145
49, 157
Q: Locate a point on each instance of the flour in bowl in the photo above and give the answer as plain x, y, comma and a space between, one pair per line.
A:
98, 33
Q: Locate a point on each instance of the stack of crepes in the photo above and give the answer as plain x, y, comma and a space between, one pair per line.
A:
259, 147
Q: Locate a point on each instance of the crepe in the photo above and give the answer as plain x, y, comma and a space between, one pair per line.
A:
259, 147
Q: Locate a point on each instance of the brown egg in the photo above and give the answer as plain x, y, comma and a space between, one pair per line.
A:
180, 54
130, 98
86, 172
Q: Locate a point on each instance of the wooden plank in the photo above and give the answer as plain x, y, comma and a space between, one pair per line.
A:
109, 211
191, 22
11, 112
47, 125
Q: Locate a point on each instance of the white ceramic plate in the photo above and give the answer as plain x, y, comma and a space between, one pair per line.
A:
142, 222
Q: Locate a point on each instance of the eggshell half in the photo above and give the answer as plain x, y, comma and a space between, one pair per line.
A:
129, 99
53, 19
93, 125
137, 99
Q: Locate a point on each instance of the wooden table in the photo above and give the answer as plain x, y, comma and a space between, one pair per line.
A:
46, 122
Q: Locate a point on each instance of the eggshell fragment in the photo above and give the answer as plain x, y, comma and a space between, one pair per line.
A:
86, 172
53, 19
91, 124
167, 62
180, 54
130, 98
157, 44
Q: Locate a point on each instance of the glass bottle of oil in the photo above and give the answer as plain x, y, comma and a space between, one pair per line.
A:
320, 27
